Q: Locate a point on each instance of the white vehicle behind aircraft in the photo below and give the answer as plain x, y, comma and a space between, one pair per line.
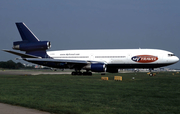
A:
99, 60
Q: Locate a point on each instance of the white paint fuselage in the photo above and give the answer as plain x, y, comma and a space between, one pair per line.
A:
120, 58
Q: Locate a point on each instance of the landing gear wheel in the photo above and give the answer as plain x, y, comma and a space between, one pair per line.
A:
151, 74
76, 73
73, 73
87, 73
79, 73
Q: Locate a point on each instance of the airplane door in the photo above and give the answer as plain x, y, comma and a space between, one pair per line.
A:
92, 57
128, 58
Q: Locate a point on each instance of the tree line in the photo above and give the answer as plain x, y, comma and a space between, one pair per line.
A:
11, 65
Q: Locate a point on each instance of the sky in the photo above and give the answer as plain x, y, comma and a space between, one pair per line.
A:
93, 24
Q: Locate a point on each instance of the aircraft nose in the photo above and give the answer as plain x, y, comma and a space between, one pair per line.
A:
176, 59
172, 60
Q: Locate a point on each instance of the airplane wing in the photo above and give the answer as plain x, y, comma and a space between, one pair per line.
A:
21, 54
56, 60
66, 63
57, 63
70, 63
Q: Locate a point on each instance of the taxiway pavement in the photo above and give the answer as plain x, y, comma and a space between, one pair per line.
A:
10, 109
30, 72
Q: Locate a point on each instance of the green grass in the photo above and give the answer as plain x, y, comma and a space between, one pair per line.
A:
66, 94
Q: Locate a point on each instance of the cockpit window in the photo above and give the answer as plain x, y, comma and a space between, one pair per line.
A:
171, 55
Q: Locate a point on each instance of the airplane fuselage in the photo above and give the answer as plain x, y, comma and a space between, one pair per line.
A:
120, 58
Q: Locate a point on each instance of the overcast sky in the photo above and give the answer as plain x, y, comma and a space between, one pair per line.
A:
91, 24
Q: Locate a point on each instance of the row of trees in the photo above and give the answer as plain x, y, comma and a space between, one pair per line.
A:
11, 65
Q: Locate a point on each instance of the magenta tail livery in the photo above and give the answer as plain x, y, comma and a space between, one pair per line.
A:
106, 60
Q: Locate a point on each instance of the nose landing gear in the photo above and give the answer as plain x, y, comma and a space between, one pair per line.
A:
150, 70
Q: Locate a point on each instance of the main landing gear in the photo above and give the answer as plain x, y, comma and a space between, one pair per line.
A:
87, 73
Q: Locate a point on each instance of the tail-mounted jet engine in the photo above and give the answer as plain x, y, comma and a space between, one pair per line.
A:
31, 46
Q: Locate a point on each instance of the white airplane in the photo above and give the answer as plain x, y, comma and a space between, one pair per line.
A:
98, 60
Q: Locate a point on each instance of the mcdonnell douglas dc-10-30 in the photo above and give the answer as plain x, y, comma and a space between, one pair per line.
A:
96, 60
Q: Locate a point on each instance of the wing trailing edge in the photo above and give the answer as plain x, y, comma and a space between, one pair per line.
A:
21, 54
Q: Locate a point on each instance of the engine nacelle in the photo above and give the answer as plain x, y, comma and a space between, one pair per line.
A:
31, 46
96, 67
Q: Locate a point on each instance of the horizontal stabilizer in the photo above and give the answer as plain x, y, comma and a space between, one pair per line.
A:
21, 54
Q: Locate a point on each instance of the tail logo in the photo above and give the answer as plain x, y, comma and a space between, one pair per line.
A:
144, 58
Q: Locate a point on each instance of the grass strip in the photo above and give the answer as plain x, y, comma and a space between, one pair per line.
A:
66, 94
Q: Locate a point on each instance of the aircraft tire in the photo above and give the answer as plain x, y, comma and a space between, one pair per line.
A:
76, 73
73, 73
87, 73
151, 74
79, 73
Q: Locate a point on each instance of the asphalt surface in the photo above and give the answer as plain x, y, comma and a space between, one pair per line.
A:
9, 109
30, 72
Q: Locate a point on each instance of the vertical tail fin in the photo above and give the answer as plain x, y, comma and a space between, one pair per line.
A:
30, 43
26, 33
